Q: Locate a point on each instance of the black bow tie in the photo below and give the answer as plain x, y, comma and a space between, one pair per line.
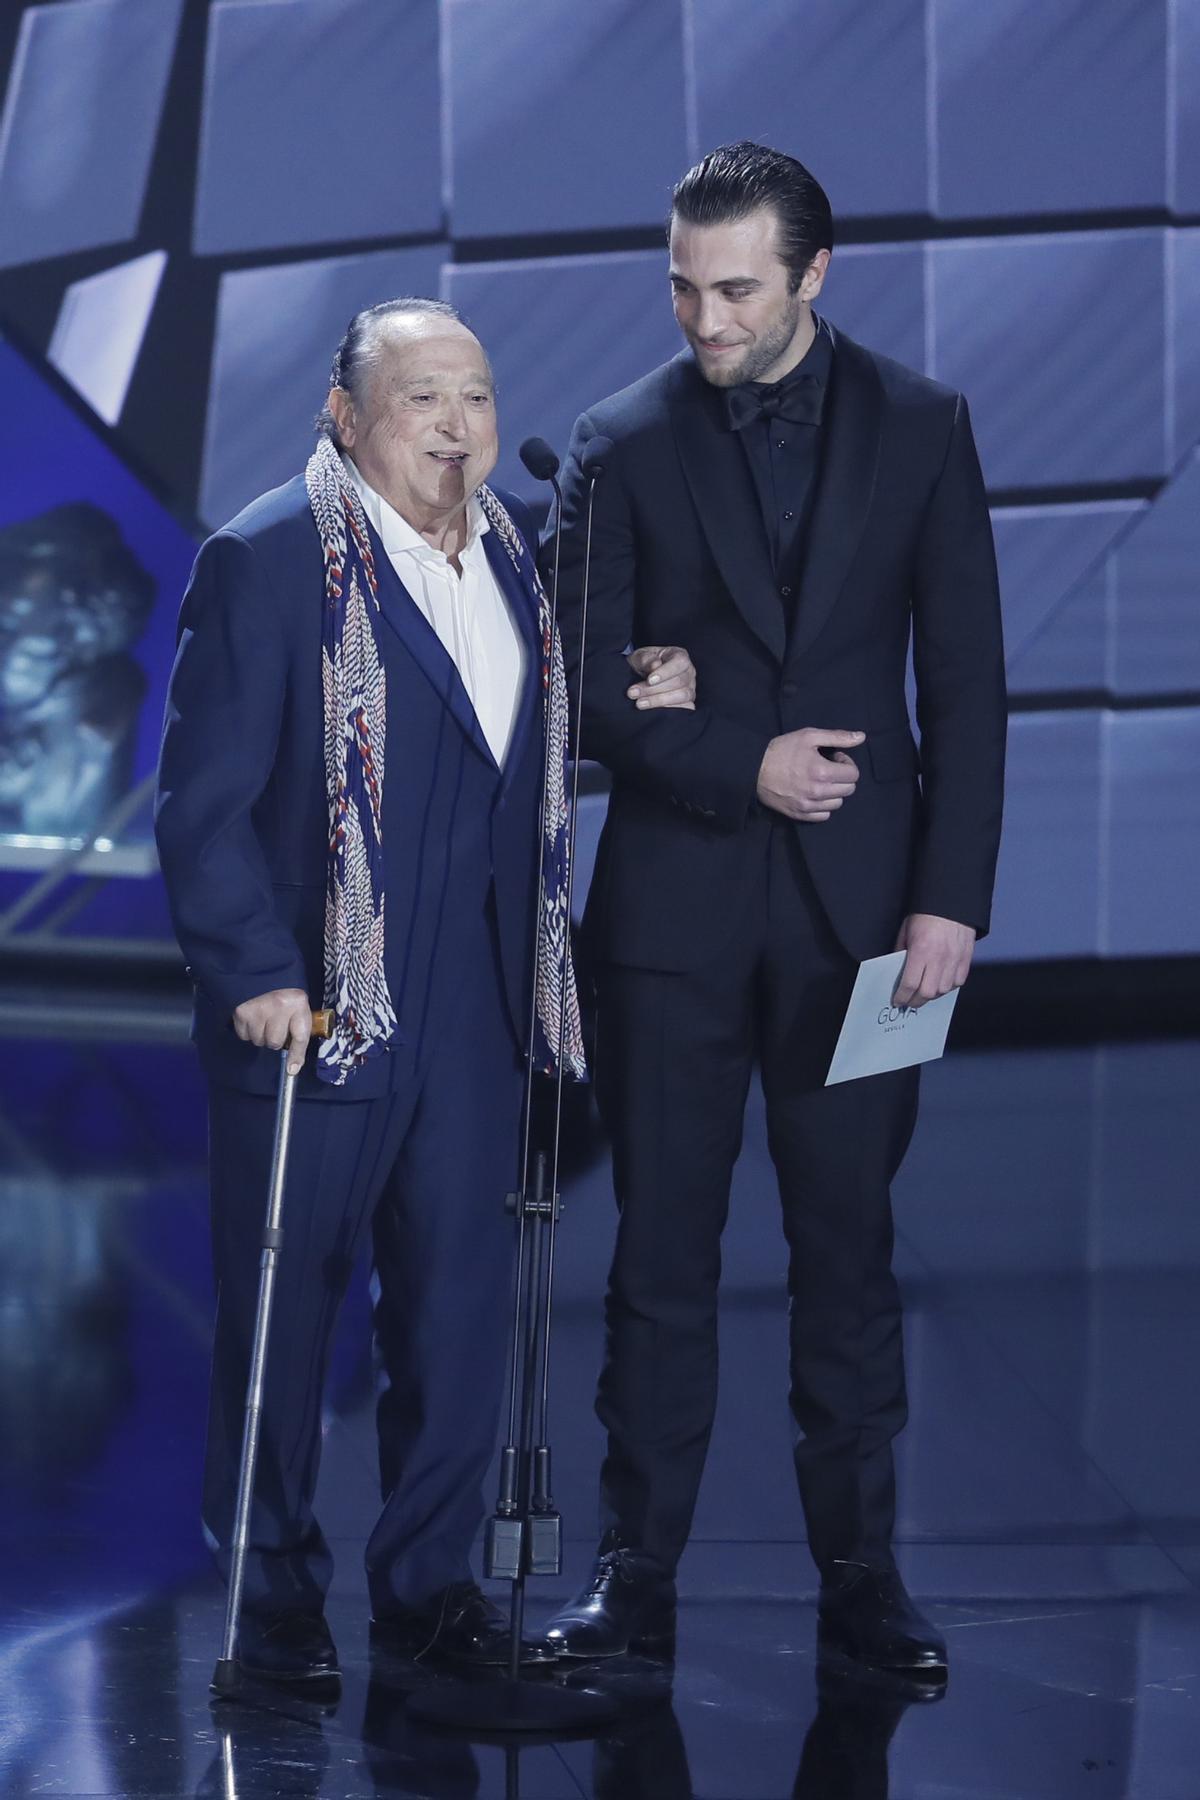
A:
797, 401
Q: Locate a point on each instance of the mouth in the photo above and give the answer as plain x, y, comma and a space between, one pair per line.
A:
711, 349
452, 459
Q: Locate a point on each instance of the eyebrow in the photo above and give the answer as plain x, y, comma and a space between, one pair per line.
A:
722, 281
431, 378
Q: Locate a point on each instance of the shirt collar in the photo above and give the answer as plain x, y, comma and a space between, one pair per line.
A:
395, 532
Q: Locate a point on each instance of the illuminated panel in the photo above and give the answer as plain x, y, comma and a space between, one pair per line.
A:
840, 84
563, 118
1047, 109
276, 332
100, 328
321, 123
1053, 586
80, 119
1066, 383
562, 333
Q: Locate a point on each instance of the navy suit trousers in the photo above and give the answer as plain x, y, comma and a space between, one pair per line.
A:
424, 1173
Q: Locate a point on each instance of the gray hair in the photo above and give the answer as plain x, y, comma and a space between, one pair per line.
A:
358, 351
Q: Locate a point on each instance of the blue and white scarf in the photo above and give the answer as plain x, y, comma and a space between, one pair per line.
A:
355, 694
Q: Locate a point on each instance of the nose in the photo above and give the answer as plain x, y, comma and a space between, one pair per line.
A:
453, 420
710, 316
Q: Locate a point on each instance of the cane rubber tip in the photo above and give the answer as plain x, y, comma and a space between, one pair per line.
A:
225, 1676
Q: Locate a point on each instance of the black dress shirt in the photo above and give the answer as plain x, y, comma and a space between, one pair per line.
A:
784, 451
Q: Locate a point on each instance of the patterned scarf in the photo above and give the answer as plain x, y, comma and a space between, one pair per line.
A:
355, 694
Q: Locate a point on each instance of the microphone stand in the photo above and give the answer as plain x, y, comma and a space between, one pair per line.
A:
524, 1535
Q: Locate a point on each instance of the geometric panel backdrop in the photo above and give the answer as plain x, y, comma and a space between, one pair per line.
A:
842, 84
296, 90
563, 118
1016, 186
1054, 592
1058, 342
80, 116
1048, 108
537, 318
276, 332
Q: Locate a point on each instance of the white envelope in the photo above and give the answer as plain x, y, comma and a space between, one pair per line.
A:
877, 1035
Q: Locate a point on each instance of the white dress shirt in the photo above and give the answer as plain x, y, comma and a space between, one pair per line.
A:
469, 612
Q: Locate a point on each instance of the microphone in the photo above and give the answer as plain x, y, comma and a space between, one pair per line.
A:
539, 459
595, 454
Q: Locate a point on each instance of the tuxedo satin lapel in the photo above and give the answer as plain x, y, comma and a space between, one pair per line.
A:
718, 474
524, 605
404, 618
845, 484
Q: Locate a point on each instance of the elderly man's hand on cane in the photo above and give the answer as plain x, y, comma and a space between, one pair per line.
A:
275, 1021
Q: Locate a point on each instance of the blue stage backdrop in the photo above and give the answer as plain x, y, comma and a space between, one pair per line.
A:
1018, 189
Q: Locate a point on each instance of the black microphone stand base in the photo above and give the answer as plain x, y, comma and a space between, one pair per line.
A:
511, 1707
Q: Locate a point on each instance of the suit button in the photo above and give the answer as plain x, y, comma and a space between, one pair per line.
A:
786, 592
789, 690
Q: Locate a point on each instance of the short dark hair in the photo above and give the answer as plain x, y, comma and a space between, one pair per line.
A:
355, 355
737, 179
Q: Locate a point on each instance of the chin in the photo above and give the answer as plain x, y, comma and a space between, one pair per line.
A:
720, 374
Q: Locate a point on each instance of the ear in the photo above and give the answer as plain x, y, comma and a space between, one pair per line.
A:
342, 408
813, 279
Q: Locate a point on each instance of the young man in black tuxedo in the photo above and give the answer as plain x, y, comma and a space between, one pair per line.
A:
793, 508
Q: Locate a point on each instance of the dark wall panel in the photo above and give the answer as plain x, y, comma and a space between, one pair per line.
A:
276, 330
1157, 594
84, 99
563, 118
839, 83
1048, 109
538, 320
1048, 884
318, 127
1059, 343
1151, 888
1054, 618
876, 293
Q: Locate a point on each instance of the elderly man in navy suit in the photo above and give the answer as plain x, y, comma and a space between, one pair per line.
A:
349, 802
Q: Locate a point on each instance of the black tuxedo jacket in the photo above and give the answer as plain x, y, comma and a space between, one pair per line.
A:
899, 545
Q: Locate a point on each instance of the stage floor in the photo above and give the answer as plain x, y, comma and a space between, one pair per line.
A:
1049, 1248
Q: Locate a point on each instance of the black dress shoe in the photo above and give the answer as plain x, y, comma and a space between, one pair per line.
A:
287, 1646
627, 1605
865, 1613
459, 1623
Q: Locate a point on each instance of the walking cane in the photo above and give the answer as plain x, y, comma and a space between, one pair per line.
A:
225, 1675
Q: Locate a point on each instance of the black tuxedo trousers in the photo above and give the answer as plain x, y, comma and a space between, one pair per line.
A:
674, 1057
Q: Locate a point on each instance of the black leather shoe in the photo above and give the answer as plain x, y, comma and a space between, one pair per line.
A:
287, 1646
627, 1605
459, 1622
865, 1613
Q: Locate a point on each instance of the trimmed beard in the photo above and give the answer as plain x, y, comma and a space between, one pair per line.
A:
760, 356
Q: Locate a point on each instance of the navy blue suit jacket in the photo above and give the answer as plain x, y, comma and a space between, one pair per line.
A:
899, 549
242, 815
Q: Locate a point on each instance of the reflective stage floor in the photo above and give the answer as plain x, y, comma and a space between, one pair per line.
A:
1049, 1247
